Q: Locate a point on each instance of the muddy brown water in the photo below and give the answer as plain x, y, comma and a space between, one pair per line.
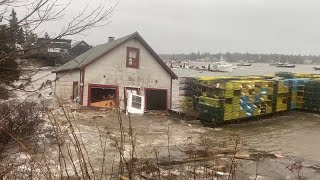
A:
295, 134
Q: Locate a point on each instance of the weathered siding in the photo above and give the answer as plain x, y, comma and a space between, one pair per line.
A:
63, 87
111, 69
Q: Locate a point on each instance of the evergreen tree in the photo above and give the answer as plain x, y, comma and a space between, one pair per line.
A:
8, 66
30, 38
14, 28
46, 35
9, 35
4, 39
20, 36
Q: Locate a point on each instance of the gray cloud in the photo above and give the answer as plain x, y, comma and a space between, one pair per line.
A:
177, 26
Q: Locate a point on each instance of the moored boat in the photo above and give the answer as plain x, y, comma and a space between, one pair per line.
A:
242, 63
316, 68
286, 65
221, 66
277, 64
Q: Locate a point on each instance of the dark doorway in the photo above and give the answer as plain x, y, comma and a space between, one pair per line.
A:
156, 99
102, 96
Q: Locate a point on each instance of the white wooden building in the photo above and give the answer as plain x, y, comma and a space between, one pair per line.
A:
112, 70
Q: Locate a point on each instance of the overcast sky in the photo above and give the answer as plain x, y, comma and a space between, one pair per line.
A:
183, 26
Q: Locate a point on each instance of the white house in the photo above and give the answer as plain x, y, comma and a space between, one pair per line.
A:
109, 71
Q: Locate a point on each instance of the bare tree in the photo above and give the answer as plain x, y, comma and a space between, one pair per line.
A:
38, 13
44, 11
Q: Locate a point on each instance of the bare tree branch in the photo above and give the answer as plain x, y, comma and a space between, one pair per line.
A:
44, 11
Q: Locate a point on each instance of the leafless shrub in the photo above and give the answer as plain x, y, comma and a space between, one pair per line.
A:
20, 124
258, 158
297, 169
19, 120
4, 94
236, 144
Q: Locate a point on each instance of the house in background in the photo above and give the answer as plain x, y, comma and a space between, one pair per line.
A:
50, 51
109, 72
53, 47
79, 47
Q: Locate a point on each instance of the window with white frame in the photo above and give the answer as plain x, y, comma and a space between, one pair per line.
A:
136, 101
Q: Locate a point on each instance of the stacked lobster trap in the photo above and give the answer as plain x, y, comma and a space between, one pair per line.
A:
221, 99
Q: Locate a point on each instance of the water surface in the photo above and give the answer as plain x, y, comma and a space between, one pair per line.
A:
293, 134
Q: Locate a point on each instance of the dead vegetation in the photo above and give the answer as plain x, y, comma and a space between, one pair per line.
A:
20, 121
4, 94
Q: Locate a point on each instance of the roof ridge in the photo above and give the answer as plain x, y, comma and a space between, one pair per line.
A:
77, 62
99, 50
113, 44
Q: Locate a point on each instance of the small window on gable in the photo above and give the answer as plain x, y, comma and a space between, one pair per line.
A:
133, 57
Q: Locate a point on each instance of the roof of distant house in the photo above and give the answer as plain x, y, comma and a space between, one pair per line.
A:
77, 43
54, 40
100, 50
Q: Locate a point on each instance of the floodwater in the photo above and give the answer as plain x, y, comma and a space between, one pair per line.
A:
295, 134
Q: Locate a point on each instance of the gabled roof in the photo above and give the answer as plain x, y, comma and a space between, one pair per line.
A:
77, 43
98, 51
41, 40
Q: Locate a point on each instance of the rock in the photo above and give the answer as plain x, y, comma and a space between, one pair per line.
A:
222, 173
314, 167
244, 156
263, 155
220, 168
256, 178
279, 155
97, 116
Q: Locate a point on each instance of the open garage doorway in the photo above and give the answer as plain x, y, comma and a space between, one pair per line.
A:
156, 99
102, 95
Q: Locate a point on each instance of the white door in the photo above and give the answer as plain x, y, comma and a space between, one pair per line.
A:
135, 104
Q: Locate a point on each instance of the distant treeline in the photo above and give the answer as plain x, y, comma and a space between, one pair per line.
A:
236, 57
